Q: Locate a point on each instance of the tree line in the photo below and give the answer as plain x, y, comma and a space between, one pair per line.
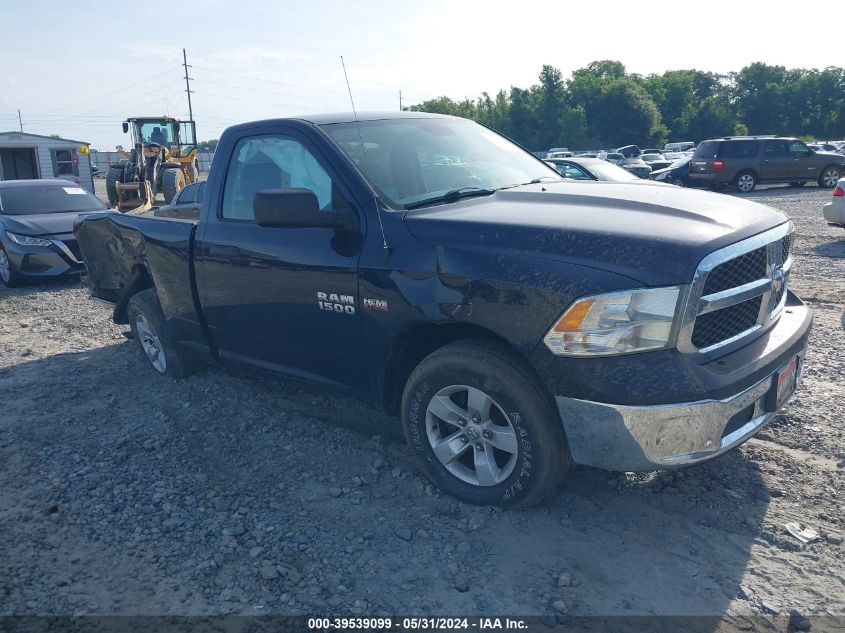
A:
604, 106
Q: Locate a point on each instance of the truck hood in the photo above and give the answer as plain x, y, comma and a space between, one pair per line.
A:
650, 232
41, 223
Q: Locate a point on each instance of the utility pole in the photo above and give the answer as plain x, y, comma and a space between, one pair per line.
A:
20, 121
187, 84
400, 100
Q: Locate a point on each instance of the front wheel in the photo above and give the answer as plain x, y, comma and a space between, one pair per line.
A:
481, 428
745, 182
678, 182
150, 330
8, 275
172, 181
829, 178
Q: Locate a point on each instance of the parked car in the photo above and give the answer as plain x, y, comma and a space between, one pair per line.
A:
746, 161
36, 228
96, 172
559, 154
629, 151
834, 211
186, 204
514, 322
613, 157
675, 174
673, 156
651, 151
636, 166
655, 161
585, 168
681, 146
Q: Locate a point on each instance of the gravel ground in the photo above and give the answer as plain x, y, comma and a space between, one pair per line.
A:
122, 492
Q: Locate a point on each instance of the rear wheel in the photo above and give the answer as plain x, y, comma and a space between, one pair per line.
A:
150, 329
678, 182
745, 181
829, 178
8, 275
172, 181
481, 428
114, 174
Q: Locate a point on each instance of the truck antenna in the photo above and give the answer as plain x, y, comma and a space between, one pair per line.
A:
364, 152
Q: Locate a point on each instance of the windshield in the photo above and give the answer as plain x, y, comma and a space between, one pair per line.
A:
609, 171
156, 131
409, 161
31, 199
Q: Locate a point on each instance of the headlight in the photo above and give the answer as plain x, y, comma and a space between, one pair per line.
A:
616, 323
25, 240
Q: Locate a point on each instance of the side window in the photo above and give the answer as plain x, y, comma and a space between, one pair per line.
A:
776, 149
797, 148
740, 149
188, 195
273, 162
571, 171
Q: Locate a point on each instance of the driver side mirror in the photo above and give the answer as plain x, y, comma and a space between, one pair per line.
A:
125, 127
297, 209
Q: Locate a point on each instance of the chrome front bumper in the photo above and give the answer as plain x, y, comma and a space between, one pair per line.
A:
643, 438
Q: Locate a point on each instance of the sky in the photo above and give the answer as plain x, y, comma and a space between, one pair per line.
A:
78, 70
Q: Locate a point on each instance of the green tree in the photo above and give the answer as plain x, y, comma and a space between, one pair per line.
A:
626, 113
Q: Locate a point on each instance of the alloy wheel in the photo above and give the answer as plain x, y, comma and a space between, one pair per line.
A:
151, 344
830, 178
745, 183
471, 435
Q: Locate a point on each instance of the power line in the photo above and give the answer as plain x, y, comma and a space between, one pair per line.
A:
131, 86
271, 92
269, 81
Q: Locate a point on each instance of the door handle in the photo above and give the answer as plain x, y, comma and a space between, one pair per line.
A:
216, 250
767, 161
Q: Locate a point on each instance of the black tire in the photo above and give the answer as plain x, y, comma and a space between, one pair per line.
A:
795, 185
8, 275
829, 177
113, 175
150, 330
531, 426
678, 182
745, 181
172, 181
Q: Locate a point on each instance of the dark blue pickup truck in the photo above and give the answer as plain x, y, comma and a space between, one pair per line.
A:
515, 321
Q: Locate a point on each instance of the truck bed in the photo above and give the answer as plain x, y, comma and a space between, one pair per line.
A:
126, 252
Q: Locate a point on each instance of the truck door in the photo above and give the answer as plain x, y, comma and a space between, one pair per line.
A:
281, 299
776, 160
803, 165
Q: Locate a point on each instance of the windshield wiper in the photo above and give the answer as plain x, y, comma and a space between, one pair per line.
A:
452, 196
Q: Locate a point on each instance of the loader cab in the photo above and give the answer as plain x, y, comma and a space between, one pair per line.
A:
179, 137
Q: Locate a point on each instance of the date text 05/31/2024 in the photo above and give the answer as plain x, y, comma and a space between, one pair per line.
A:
413, 624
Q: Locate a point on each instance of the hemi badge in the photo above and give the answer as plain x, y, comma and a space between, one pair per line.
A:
380, 305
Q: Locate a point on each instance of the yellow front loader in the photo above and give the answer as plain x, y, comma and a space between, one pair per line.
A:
163, 159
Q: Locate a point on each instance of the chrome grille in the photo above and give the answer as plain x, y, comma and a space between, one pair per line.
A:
736, 292
737, 271
714, 327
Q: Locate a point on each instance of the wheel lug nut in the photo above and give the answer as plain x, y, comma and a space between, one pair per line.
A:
479, 446
462, 422
464, 439
487, 434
